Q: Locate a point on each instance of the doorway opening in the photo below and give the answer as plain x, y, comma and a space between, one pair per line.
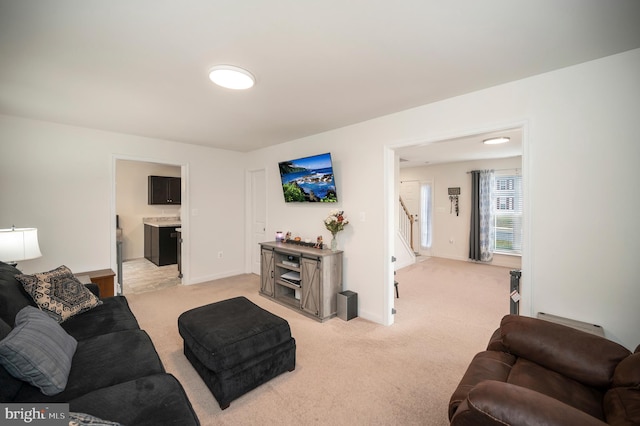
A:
138, 271
417, 197
440, 167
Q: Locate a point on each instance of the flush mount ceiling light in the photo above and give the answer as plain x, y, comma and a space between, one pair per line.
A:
231, 77
496, 141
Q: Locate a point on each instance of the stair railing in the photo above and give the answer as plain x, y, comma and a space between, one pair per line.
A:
406, 223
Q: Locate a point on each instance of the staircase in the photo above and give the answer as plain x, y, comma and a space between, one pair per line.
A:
405, 252
405, 226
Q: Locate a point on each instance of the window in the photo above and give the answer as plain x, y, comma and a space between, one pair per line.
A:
425, 216
507, 201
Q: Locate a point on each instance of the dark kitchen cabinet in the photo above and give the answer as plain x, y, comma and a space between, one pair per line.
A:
164, 190
161, 244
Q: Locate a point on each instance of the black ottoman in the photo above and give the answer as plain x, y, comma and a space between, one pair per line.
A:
235, 346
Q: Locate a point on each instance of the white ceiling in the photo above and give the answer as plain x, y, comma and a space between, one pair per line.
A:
140, 66
466, 148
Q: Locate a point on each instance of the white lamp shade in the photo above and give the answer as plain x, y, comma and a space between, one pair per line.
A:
19, 244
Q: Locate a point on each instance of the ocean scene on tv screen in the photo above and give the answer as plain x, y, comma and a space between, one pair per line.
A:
308, 179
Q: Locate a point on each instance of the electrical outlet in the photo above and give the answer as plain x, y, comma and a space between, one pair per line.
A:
220, 255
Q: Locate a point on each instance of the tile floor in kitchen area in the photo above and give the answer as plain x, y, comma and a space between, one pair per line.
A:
141, 276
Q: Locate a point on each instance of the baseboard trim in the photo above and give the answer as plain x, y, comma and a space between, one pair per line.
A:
206, 278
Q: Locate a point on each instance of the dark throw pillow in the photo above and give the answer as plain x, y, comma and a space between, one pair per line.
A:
38, 351
59, 293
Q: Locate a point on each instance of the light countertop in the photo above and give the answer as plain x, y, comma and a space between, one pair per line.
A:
161, 222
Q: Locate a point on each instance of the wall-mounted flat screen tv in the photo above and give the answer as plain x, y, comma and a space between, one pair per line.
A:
308, 179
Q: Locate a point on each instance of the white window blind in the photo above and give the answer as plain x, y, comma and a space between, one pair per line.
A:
507, 202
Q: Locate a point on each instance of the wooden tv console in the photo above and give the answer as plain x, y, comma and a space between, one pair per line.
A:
320, 278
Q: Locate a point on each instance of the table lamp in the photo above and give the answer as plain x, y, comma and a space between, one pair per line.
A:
17, 244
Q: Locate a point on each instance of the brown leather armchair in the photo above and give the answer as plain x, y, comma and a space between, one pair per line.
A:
535, 372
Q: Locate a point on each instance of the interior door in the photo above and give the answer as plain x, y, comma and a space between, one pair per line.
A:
258, 216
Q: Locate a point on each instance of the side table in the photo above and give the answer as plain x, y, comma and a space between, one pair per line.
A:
103, 278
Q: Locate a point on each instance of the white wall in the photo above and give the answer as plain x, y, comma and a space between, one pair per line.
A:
359, 195
447, 226
132, 202
60, 179
579, 123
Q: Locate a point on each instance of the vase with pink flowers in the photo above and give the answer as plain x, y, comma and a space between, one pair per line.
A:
335, 222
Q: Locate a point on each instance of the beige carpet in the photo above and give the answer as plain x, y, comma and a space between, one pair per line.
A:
350, 372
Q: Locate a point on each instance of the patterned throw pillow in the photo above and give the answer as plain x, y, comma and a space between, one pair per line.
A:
59, 293
38, 351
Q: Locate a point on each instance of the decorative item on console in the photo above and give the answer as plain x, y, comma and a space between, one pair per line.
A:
300, 242
335, 223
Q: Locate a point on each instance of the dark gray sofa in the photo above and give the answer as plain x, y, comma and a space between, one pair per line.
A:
116, 373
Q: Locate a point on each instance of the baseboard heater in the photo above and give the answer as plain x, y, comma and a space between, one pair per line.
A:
584, 326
